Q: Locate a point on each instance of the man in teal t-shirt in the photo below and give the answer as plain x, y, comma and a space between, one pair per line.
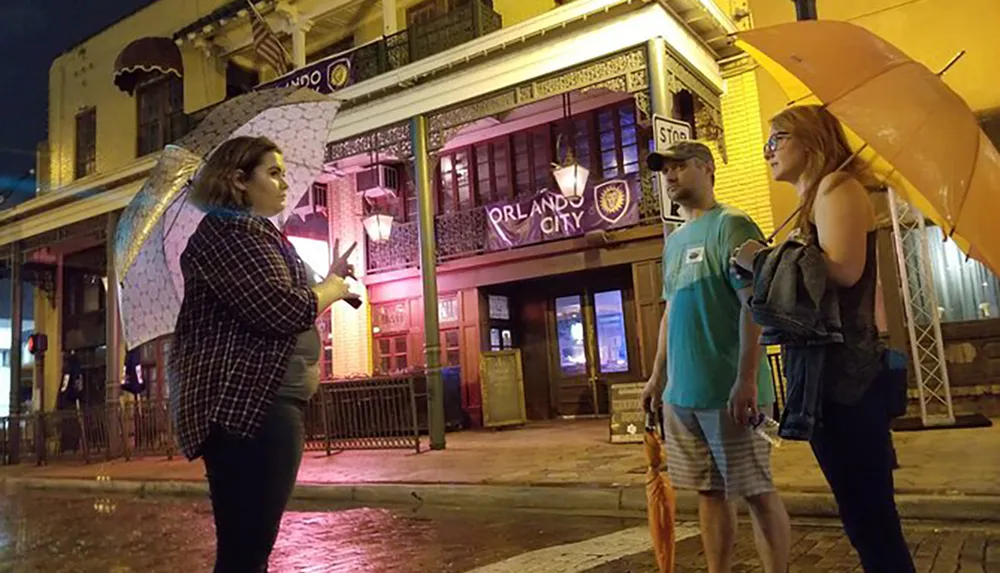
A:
709, 368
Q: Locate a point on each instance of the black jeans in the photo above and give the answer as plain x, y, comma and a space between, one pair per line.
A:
251, 481
853, 447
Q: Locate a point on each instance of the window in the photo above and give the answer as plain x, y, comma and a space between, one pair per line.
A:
4, 358
448, 308
578, 139
532, 161
422, 13
451, 350
319, 196
454, 183
493, 171
618, 140
569, 332
240, 80
85, 161
392, 354
612, 347
161, 113
391, 317
518, 166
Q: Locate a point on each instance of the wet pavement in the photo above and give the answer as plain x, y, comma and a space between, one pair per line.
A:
42, 531
45, 531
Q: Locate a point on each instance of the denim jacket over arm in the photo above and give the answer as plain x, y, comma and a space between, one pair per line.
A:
797, 308
792, 301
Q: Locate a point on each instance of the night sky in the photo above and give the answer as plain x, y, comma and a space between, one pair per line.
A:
32, 34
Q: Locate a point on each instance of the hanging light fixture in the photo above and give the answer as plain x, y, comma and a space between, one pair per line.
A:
378, 227
571, 177
377, 224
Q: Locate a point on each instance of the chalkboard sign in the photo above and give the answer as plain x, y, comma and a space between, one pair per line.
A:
628, 422
501, 380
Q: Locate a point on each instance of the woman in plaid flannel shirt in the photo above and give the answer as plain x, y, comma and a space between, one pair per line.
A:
246, 349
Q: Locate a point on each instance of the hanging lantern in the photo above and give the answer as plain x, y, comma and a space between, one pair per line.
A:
572, 179
378, 227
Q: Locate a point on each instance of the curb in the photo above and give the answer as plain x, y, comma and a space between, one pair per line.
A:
584, 500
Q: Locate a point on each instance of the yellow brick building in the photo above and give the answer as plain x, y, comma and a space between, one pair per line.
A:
506, 88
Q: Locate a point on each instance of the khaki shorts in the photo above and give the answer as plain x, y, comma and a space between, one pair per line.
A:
708, 451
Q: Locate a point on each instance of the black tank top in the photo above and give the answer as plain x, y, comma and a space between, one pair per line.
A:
853, 365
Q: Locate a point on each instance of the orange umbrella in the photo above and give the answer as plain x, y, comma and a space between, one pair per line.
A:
661, 501
920, 135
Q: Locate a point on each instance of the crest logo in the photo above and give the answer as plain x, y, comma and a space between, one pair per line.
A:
339, 74
612, 200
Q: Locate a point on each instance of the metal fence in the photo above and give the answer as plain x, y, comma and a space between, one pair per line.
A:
94, 433
362, 414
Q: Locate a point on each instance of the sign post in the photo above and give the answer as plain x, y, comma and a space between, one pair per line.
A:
668, 131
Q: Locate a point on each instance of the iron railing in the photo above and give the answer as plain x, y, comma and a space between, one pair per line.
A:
364, 414
357, 414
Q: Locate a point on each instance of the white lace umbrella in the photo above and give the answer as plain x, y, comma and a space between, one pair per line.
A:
155, 226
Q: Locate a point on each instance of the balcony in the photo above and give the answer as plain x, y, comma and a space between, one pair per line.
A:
460, 25
460, 234
464, 234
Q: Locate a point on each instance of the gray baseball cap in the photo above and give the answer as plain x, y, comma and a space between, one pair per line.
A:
679, 151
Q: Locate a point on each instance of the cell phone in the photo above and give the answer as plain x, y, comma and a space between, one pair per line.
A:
353, 301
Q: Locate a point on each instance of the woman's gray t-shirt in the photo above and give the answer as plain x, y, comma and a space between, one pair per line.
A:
301, 378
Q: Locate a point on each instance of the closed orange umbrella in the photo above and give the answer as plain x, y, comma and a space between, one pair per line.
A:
661, 501
921, 136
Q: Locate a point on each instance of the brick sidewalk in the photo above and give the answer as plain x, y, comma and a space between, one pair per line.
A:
945, 462
821, 549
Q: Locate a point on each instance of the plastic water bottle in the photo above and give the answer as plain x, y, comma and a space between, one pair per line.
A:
767, 428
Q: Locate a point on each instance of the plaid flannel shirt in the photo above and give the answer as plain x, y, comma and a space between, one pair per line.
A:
246, 298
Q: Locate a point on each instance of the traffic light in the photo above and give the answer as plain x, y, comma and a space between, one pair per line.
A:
37, 344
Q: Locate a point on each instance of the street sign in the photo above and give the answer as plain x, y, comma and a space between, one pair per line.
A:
668, 131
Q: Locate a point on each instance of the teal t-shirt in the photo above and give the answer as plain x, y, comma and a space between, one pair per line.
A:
703, 325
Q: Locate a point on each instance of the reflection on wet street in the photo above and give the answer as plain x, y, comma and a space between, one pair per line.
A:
54, 532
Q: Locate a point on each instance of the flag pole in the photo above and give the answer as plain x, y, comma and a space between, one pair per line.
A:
256, 12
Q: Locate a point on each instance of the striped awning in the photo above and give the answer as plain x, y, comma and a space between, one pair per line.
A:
147, 58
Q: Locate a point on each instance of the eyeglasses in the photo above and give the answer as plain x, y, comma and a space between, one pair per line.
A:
776, 142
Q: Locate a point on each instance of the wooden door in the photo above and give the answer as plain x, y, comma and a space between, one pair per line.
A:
592, 334
534, 345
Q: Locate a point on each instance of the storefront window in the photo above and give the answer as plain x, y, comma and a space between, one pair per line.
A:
452, 348
392, 354
448, 309
390, 317
611, 341
569, 330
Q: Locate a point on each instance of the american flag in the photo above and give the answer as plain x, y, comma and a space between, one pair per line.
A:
266, 44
